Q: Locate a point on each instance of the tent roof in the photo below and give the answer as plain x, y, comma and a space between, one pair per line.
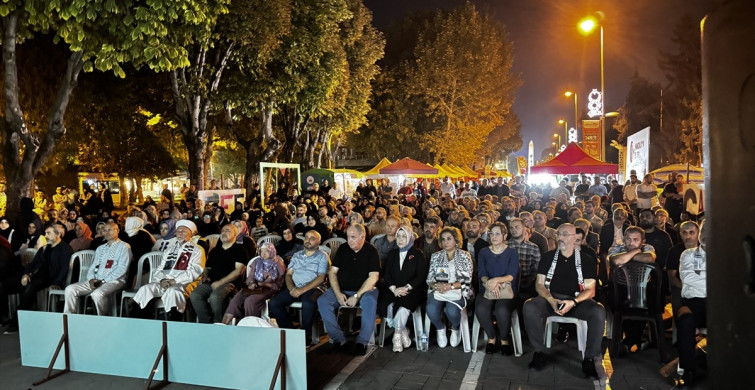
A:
376, 169
469, 171
407, 166
691, 173
455, 170
443, 172
573, 160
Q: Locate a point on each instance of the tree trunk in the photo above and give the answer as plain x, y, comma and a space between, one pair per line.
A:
316, 139
305, 150
20, 169
323, 147
124, 194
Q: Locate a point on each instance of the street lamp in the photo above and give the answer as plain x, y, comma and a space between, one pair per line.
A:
566, 132
576, 117
587, 25
558, 145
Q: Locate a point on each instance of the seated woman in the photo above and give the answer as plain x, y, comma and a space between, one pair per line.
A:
243, 237
693, 311
450, 285
83, 237
289, 244
498, 264
264, 277
167, 231
405, 270
35, 238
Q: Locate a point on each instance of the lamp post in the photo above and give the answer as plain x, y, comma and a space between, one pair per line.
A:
557, 145
566, 132
576, 117
587, 25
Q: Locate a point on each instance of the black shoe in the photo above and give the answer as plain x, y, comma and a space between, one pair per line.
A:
588, 367
337, 347
507, 349
360, 349
11, 329
538, 361
492, 348
687, 381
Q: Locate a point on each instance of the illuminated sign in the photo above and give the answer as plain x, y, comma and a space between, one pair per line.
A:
594, 103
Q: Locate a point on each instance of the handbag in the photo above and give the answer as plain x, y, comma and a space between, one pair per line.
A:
450, 295
504, 289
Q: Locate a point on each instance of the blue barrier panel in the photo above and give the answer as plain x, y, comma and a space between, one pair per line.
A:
234, 357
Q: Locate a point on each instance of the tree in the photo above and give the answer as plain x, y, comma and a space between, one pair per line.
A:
97, 34
251, 26
682, 109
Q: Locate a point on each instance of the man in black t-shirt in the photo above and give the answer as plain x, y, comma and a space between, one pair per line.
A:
223, 268
564, 290
353, 274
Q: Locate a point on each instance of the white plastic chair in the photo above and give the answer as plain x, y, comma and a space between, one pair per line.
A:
274, 238
325, 249
375, 238
212, 240
52, 295
154, 259
463, 329
581, 331
334, 243
418, 327
516, 333
27, 255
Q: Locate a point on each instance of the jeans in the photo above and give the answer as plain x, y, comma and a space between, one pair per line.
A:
212, 312
434, 311
279, 304
328, 306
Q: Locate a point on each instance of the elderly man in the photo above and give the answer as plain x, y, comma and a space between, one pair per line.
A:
633, 249
565, 286
224, 267
353, 276
106, 275
304, 281
182, 264
690, 233
48, 269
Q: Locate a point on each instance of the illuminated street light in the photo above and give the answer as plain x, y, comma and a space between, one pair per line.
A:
556, 135
586, 26
566, 132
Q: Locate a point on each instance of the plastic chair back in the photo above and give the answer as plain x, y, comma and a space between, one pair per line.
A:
212, 240
27, 256
375, 238
636, 278
274, 238
86, 258
334, 243
325, 249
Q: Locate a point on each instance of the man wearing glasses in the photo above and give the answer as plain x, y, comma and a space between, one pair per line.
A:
565, 286
106, 276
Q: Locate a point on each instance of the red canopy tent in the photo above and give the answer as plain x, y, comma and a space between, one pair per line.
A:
407, 166
573, 160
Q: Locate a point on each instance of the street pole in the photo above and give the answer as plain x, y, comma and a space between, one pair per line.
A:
603, 101
576, 117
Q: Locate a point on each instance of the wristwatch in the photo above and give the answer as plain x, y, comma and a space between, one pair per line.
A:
356, 296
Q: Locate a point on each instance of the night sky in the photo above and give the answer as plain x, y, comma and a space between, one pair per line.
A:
551, 56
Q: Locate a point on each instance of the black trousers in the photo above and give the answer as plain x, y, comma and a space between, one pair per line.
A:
686, 325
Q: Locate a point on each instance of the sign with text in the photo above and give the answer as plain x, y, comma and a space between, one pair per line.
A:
224, 198
591, 138
638, 153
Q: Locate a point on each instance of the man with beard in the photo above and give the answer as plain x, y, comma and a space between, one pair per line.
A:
589, 214
633, 248
690, 235
305, 274
351, 215
507, 210
658, 239
565, 285
673, 194
533, 236
661, 223
473, 244
529, 257
539, 220
428, 243
378, 223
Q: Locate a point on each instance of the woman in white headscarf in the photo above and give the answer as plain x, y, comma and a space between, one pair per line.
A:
141, 242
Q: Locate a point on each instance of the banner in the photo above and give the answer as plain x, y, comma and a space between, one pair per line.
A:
638, 153
591, 138
521, 164
224, 198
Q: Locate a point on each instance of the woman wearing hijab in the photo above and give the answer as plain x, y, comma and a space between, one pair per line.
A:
207, 226
83, 238
141, 242
167, 231
405, 271
243, 238
99, 236
6, 230
34, 237
265, 275
289, 244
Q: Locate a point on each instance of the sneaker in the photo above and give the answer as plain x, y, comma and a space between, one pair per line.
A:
588, 368
360, 349
538, 361
406, 341
397, 347
455, 339
11, 329
507, 349
491, 348
442, 340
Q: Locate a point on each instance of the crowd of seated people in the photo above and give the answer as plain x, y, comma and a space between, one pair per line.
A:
441, 246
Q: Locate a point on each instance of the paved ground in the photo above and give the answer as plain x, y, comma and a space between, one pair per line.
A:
449, 368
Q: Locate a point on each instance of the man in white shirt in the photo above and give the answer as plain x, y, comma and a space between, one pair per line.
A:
447, 187
106, 276
647, 192
630, 191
